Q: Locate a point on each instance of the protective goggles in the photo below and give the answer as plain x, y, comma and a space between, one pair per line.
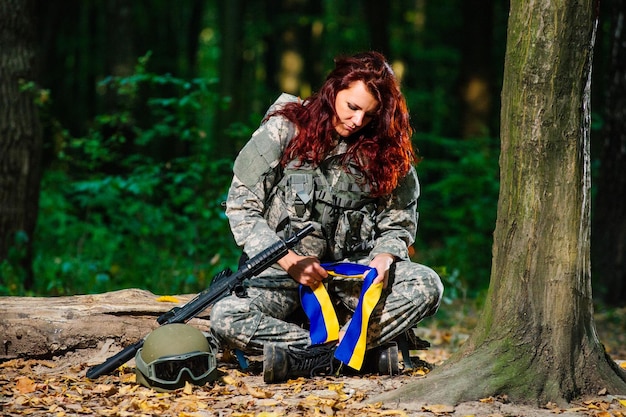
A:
170, 370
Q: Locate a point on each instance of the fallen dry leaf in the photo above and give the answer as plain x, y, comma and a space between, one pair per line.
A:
259, 393
25, 385
439, 408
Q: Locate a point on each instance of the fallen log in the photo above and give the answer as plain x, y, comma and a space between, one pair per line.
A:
44, 327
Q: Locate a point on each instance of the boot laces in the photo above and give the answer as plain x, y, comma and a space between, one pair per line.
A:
313, 359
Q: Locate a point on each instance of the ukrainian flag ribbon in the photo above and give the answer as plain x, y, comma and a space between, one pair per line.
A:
324, 326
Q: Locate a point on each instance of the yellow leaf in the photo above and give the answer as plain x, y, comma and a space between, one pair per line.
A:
622, 402
188, 388
128, 378
167, 299
267, 414
439, 408
393, 413
623, 364
25, 385
105, 389
336, 387
227, 379
259, 393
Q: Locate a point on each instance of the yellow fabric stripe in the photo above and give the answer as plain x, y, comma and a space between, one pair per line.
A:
335, 274
368, 303
328, 311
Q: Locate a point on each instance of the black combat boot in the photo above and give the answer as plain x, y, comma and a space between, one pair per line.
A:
280, 364
382, 360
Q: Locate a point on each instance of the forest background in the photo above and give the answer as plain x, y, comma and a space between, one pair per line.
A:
145, 104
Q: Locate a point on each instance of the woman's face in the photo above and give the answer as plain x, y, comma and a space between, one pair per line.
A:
355, 108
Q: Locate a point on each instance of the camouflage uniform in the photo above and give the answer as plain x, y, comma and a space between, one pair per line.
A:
267, 202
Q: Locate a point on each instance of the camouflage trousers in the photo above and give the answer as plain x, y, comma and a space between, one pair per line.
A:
264, 316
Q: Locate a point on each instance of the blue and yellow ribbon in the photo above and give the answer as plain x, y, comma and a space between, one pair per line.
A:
324, 326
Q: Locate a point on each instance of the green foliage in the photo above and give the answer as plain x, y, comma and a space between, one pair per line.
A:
12, 272
458, 210
137, 202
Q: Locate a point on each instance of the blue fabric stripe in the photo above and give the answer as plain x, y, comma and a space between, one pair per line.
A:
324, 326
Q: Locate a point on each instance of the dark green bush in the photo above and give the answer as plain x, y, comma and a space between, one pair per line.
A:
460, 185
137, 202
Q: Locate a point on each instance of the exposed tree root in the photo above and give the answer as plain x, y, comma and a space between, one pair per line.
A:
497, 369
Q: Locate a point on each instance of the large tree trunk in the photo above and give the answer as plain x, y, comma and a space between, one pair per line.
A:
535, 341
609, 213
20, 137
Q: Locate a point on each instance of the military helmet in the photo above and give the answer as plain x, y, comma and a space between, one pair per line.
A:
173, 354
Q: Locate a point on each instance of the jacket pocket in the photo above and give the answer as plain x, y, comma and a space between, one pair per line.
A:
354, 234
290, 209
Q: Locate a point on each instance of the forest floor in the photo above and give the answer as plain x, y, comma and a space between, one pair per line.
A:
58, 386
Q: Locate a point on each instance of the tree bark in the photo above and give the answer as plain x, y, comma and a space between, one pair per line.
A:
536, 340
37, 327
20, 136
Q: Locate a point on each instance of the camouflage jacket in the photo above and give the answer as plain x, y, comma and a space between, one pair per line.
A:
267, 202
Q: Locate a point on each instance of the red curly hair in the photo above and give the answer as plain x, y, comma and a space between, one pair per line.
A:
382, 150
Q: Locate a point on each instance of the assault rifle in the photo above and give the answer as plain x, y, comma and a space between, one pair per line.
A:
222, 285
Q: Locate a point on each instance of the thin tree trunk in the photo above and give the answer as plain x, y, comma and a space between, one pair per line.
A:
609, 212
20, 136
377, 14
535, 341
476, 85
231, 63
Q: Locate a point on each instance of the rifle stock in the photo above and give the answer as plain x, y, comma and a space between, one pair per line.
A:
222, 285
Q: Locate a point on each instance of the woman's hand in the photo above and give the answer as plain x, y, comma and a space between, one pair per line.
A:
306, 270
382, 262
